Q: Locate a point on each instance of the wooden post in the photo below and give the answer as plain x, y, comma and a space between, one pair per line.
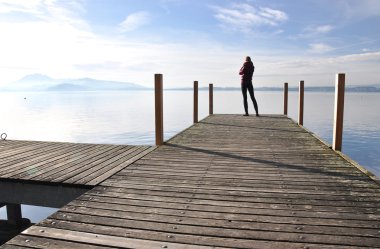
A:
210, 99
338, 113
14, 214
300, 103
195, 102
285, 98
159, 109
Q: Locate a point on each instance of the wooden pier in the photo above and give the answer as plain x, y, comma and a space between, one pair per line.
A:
226, 182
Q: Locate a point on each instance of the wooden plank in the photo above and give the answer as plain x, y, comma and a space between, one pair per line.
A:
294, 171
24, 241
239, 192
249, 185
218, 200
211, 176
121, 241
259, 169
86, 200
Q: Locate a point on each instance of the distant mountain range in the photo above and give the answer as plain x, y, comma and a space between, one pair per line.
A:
39, 82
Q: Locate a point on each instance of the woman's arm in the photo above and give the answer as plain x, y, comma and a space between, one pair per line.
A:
241, 72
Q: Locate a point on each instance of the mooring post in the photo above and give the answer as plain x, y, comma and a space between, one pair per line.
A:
300, 103
195, 102
285, 98
338, 113
210, 99
14, 214
159, 109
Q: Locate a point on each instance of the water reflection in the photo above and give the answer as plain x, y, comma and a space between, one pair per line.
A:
34, 213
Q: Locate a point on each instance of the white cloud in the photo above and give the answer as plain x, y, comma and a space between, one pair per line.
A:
371, 56
313, 31
360, 69
66, 12
322, 29
135, 21
7, 6
245, 17
274, 15
320, 48
279, 31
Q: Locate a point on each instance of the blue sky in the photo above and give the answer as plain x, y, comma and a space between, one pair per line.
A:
187, 40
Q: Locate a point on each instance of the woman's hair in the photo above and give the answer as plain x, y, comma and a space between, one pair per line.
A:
248, 58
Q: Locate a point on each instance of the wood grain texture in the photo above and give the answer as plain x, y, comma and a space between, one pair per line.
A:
70, 163
226, 182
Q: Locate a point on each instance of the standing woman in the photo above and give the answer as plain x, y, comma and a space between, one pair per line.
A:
246, 72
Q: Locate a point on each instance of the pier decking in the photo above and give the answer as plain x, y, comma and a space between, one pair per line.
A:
226, 182
68, 163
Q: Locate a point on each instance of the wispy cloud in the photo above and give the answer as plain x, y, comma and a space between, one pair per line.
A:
245, 17
65, 12
320, 70
320, 48
135, 21
323, 29
313, 31
7, 6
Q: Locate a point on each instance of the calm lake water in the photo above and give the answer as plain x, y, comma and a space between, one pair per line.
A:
128, 118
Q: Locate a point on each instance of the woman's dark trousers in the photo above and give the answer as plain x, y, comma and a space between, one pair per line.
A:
248, 86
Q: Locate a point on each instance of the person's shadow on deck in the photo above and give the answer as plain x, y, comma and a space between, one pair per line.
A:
342, 175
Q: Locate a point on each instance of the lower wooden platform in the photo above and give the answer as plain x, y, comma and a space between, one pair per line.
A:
227, 182
67, 163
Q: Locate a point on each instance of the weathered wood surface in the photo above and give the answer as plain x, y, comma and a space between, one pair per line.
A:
85, 164
227, 182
